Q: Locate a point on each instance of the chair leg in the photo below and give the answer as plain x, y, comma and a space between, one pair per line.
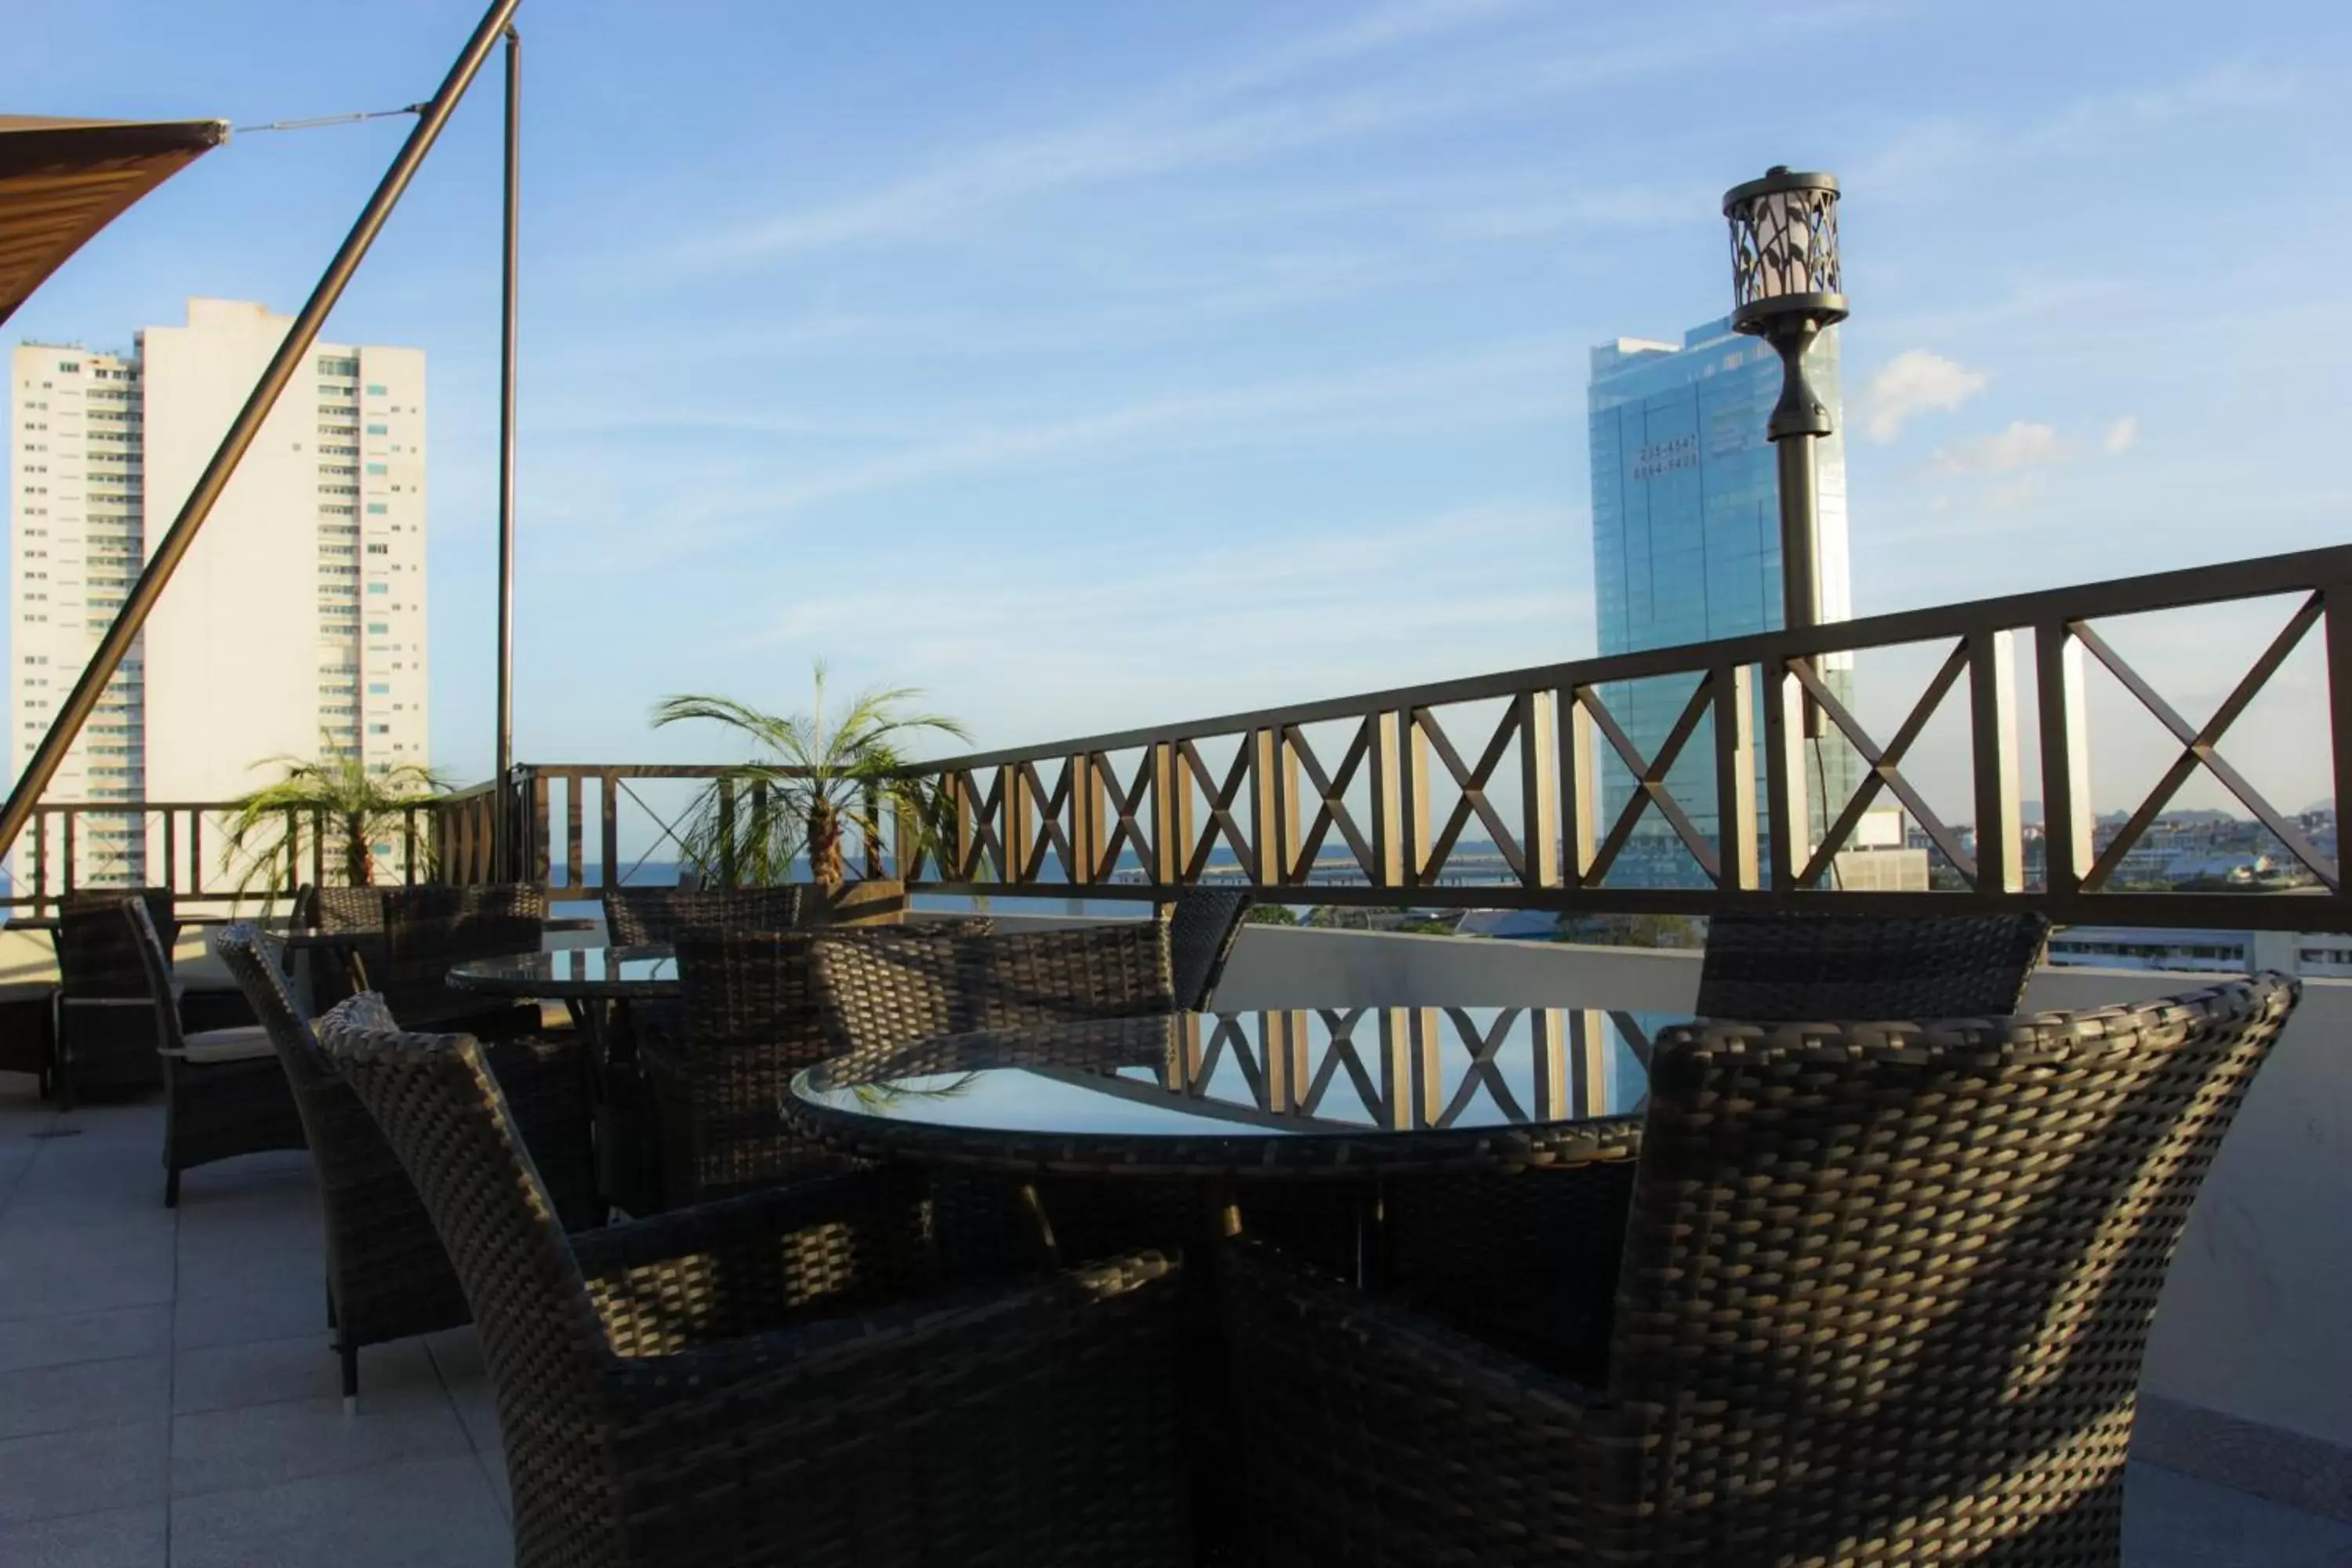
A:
351, 1354
330, 1303
170, 1189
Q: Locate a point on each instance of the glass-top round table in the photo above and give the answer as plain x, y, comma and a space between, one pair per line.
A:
1342, 1092
574, 974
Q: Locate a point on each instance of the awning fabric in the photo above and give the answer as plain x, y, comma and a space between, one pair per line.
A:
61, 181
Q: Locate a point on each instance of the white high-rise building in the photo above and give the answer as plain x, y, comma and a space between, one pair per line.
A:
295, 626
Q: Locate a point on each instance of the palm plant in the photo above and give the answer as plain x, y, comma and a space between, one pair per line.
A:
816, 777
339, 798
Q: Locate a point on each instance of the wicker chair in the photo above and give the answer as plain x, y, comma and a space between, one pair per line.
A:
641, 917
751, 1020
786, 1377
1202, 924
105, 1029
1794, 968
879, 998
1882, 1301
387, 1275
223, 1092
406, 939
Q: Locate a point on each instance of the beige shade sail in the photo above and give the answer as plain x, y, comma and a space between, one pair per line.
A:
61, 181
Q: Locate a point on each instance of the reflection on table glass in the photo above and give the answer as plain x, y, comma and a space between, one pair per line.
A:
1340, 1071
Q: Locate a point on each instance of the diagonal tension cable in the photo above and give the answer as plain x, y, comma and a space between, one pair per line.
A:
331, 119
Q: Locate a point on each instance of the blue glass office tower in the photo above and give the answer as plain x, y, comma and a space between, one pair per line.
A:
1686, 548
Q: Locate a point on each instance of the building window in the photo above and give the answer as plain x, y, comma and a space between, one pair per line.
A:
375, 390
379, 629
377, 468
379, 588
375, 508
378, 430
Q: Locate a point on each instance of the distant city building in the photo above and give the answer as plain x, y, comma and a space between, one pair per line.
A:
1686, 548
296, 624
2317, 955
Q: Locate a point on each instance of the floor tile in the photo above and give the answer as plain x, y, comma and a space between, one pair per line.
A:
50, 1273
85, 1394
263, 1445
2172, 1520
115, 1538
228, 1317
86, 1336
395, 1516
60, 1473
272, 1372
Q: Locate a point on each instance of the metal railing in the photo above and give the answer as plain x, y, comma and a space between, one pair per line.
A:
1385, 807
1139, 813
77, 846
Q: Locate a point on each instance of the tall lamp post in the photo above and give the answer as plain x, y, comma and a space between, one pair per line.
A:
1786, 287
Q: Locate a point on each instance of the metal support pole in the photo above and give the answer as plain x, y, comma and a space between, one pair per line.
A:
1799, 420
502, 849
111, 649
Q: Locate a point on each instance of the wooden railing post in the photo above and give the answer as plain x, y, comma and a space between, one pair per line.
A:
1580, 789
1539, 791
1993, 684
2066, 841
1734, 777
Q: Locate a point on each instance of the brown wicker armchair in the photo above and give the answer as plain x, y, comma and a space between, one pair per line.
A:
387, 1276
1882, 1301
750, 1020
1203, 924
1799, 968
403, 941
105, 1028
223, 1092
786, 1377
879, 996
641, 917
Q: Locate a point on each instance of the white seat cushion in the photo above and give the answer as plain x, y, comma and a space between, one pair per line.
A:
242, 1043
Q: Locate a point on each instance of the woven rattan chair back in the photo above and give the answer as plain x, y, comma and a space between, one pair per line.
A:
239, 947
751, 1019
641, 917
1800, 968
1886, 1287
155, 969
877, 997
440, 1110
97, 954
386, 1271
1203, 924
428, 929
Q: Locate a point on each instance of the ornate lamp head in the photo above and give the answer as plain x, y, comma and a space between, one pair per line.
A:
1784, 251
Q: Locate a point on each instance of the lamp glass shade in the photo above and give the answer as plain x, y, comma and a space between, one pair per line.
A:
1784, 243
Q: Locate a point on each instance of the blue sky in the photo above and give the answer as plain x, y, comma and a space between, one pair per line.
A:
1095, 365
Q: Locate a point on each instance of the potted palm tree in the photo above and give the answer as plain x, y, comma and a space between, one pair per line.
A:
815, 778
342, 800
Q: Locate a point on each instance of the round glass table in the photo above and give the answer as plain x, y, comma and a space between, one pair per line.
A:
600, 986
574, 974
1343, 1093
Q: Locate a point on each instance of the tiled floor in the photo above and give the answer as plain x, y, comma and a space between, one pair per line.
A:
167, 1395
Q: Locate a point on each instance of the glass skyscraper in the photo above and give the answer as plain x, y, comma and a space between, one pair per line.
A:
1686, 548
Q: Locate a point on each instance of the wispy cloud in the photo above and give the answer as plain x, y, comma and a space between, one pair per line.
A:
1236, 118
1916, 382
1922, 157
2120, 436
1516, 381
2022, 445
